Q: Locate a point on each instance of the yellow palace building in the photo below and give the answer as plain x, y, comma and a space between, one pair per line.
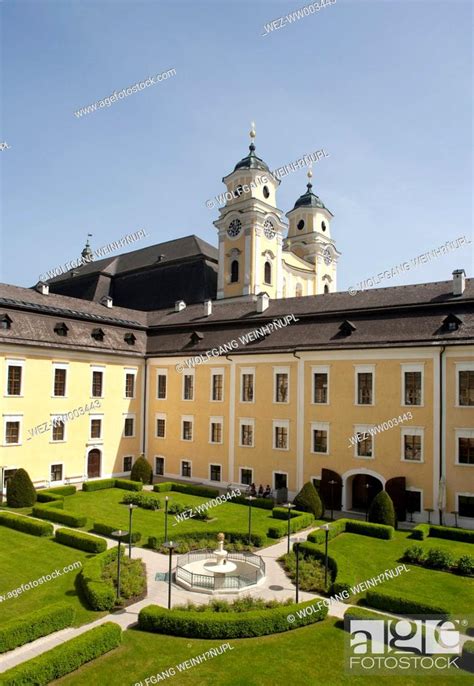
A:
244, 364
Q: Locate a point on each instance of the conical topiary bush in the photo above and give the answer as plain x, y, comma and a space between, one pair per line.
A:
20, 490
308, 500
381, 510
142, 471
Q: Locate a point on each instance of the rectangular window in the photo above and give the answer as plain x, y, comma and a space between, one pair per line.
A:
159, 466
320, 441
186, 468
97, 384
466, 388
129, 385
413, 388
412, 447
59, 382
246, 434
320, 388
215, 472
129, 427
364, 388
246, 476
217, 387
161, 387
127, 463
466, 505
161, 427
188, 390
216, 432
14, 379
56, 472
413, 501
281, 388
364, 444
465, 450
96, 428
247, 388
12, 432
58, 430
280, 434
187, 430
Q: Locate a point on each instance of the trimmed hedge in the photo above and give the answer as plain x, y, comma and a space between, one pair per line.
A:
163, 487
144, 500
356, 612
308, 500
312, 550
98, 593
190, 489
399, 605
280, 529
80, 540
98, 485
381, 510
352, 526
467, 658
47, 497
210, 625
50, 512
35, 625
20, 490
336, 528
65, 658
422, 531
60, 490
26, 524
258, 540
107, 529
142, 471
282, 513
128, 485
264, 503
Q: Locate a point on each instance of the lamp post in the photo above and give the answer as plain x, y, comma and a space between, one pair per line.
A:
367, 487
171, 545
250, 498
166, 519
296, 548
131, 507
332, 483
326, 530
289, 506
119, 534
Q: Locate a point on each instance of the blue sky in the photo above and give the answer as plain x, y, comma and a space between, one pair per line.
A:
385, 87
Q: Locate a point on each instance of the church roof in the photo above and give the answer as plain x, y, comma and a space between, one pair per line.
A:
309, 199
252, 161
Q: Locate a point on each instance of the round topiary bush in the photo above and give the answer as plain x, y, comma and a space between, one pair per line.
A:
308, 500
142, 471
20, 490
381, 509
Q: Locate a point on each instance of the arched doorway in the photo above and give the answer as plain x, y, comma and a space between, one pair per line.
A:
364, 488
93, 463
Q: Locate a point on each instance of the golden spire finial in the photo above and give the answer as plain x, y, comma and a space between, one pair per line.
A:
252, 133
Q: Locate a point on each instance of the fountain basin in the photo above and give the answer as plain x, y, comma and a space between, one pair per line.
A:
198, 571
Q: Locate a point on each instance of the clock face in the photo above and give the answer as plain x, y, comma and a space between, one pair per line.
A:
327, 256
235, 228
268, 229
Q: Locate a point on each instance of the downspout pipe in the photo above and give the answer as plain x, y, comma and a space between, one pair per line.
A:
442, 456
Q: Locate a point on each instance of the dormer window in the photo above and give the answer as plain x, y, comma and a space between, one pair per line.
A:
196, 336
61, 329
97, 334
346, 328
5, 322
451, 322
129, 338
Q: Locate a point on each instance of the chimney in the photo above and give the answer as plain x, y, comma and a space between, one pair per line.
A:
263, 301
459, 281
42, 288
107, 301
207, 308
179, 305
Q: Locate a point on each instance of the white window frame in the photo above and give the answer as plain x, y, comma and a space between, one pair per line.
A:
181, 469
280, 370
161, 371
216, 420
320, 426
320, 369
247, 370
129, 415
215, 464
123, 464
10, 362
217, 372
58, 415
161, 415
65, 366
462, 433
462, 367
251, 422
240, 475
412, 368
101, 417
282, 424
97, 368
363, 369
162, 457
12, 418
468, 495
363, 429
59, 481
134, 372
412, 431
187, 418
189, 372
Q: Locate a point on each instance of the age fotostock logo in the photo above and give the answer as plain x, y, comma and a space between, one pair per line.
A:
375, 646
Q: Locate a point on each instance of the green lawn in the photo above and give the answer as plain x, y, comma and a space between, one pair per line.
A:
362, 557
312, 655
25, 558
104, 506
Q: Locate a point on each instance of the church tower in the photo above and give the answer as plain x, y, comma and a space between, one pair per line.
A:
250, 228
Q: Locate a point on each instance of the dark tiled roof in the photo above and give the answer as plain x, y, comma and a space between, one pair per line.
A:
251, 161
309, 199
